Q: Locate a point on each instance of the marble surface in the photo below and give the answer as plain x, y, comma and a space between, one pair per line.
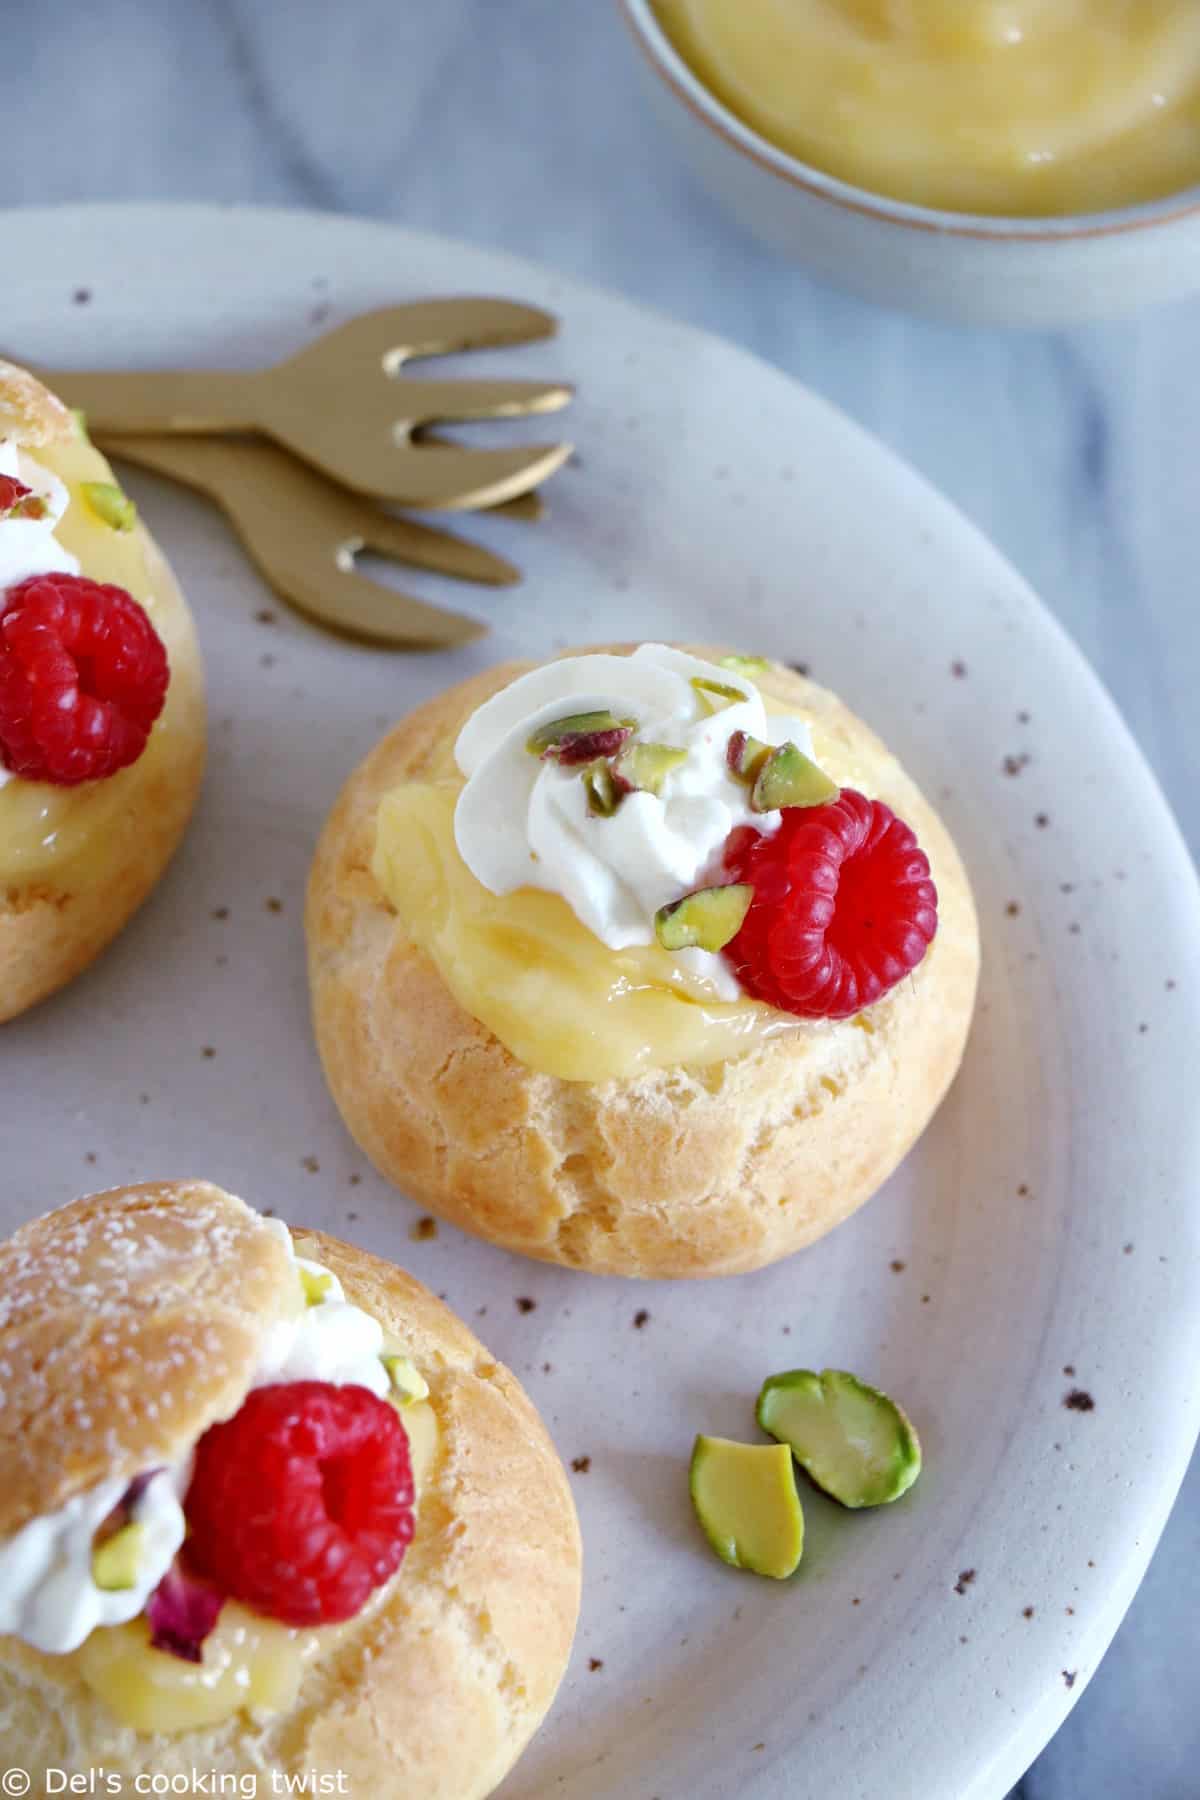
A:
518, 124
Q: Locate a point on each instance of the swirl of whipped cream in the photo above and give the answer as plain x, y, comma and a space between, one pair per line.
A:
47, 1594
524, 822
29, 546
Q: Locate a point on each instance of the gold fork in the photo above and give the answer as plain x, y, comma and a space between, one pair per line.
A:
303, 533
344, 404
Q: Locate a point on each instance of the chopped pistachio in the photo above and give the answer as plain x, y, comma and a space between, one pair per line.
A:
789, 778
603, 794
705, 920
110, 503
750, 666
646, 766
115, 1560
406, 1379
716, 695
316, 1285
745, 1498
579, 737
745, 756
81, 424
849, 1438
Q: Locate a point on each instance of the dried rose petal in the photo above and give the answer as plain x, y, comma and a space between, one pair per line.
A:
182, 1611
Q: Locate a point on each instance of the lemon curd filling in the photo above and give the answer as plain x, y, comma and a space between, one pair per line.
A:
522, 964
250, 1664
1010, 107
43, 828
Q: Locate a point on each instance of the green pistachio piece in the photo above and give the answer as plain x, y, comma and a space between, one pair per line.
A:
603, 794
749, 666
115, 1561
645, 766
316, 1285
81, 426
849, 1438
745, 756
705, 920
110, 503
716, 695
745, 1498
574, 725
789, 778
406, 1379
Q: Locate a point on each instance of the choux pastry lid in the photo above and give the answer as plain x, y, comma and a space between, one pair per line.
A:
29, 412
130, 1321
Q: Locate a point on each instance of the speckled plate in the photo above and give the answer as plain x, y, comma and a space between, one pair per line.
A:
1027, 1283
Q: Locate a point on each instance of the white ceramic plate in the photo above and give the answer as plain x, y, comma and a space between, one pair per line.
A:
1041, 1239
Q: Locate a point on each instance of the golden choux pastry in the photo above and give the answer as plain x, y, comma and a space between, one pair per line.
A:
266, 1507
507, 1035
90, 814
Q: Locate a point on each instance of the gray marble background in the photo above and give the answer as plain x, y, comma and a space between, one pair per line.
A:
516, 123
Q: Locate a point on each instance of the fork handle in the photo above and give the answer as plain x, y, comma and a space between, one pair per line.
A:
171, 400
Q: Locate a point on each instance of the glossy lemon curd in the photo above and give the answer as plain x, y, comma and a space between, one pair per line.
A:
1008, 107
43, 828
250, 1664
522, 964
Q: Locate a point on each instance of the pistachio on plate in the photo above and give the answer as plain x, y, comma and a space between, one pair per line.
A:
745, 1498
847, 1437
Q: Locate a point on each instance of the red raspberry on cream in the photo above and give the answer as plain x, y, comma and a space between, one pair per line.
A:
844, 907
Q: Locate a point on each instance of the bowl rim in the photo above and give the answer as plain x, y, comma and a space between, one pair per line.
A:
703, 104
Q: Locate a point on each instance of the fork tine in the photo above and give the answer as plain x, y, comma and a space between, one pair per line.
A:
528, 507
309, 560
354, 605
458, 479
435, 327
424, 401
442, 552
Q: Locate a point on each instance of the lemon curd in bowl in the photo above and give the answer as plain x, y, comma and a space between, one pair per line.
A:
1002, 108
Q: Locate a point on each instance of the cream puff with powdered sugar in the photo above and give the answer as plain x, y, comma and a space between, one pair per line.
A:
266, 1506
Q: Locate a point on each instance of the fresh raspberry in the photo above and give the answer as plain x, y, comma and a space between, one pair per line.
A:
83, 676
18, 501
843, 907
302, 1503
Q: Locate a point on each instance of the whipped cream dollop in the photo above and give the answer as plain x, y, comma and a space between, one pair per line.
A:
47, 1594
524, 822
29, 546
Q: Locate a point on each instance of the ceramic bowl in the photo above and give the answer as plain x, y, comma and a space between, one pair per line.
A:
973, 268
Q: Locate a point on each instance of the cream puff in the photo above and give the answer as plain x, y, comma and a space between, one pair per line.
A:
266, 1507
646, 963
102, 722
